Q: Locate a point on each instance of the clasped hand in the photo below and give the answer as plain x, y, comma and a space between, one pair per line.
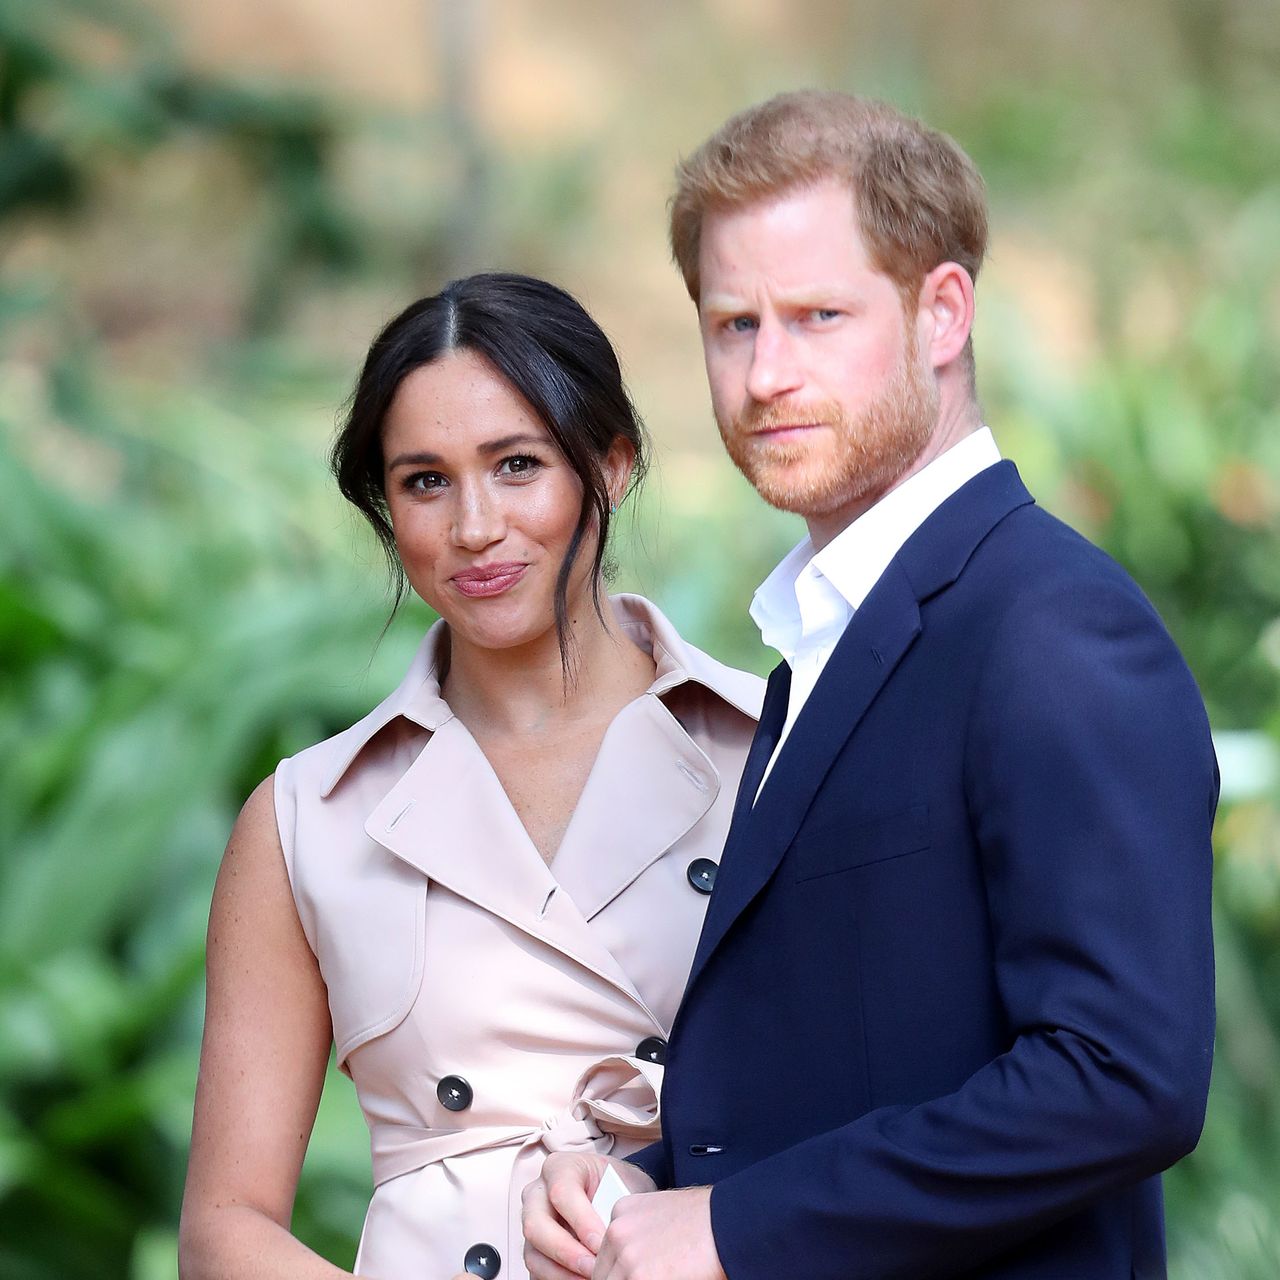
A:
654, 1235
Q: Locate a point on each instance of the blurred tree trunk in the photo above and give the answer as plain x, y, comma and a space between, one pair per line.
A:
467, 235
1204, 27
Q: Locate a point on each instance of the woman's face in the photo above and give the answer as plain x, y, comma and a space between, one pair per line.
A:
482, 502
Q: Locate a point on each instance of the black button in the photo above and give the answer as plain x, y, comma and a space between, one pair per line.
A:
454, 1094
652, 1049
482, 1260
702, 874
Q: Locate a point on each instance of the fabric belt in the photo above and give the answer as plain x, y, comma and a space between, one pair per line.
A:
615, 1097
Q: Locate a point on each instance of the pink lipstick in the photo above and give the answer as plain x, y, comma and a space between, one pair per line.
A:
488, 579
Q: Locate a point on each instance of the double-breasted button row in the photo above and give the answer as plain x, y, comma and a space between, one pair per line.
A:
454, 1093
482, 1260
702, 874
652, 1049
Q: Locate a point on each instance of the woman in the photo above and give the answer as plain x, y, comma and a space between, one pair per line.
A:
487, 892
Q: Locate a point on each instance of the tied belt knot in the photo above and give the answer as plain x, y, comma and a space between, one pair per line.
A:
615, 1097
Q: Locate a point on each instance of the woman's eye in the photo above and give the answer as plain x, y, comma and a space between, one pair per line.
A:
522, 464
423, 481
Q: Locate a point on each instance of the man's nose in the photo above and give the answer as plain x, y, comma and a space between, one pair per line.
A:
478, 518
775, 366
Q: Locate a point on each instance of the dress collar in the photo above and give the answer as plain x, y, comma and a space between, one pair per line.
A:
417, 697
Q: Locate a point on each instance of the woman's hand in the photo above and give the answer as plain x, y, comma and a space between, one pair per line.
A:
563, 1233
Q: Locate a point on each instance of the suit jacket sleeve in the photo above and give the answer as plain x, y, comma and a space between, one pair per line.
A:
653, 1160
1091, 786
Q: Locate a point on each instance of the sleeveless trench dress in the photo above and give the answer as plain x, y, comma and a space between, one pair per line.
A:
489, 1008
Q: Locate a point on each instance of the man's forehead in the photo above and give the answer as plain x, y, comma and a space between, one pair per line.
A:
779, 208
803, 293
803, 251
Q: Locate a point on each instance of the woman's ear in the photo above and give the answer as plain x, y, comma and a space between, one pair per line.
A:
617, 468
946, 312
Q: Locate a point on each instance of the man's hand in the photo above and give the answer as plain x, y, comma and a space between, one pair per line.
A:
562, 1231
662, 1236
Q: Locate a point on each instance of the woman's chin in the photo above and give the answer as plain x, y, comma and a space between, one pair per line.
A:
501, 629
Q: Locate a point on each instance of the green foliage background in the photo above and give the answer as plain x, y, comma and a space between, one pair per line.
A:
182, 603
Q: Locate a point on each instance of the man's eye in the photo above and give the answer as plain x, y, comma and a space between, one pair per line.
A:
742, 324
825, 313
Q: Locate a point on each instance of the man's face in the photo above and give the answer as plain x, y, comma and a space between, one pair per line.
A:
817, 379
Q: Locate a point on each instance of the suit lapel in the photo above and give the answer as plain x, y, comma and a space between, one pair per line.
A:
878, 636
871, 647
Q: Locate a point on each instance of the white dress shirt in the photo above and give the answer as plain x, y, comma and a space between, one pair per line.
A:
804, 605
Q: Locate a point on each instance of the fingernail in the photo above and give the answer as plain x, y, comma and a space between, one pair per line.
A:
593, 1241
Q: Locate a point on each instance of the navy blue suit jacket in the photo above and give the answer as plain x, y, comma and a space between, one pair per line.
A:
952, 1008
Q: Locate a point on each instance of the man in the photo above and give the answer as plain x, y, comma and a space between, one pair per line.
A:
952, 1008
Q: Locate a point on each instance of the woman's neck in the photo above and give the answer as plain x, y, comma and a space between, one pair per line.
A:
524, 691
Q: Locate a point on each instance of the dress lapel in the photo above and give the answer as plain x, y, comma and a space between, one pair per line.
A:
449, 817
649, 786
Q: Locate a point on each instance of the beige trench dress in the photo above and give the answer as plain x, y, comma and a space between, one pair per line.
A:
462, 970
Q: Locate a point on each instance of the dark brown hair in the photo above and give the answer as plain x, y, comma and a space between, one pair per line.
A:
542, 341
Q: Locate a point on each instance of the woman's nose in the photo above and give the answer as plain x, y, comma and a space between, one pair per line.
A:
478, 520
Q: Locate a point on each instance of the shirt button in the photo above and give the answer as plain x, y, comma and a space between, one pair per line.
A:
702, 874
652, 1049
482, 1260
454, 1094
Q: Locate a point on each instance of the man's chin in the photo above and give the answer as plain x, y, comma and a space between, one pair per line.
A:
814, 496
800, 497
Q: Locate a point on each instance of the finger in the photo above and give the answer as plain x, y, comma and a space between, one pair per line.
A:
540, 1267
569, 1191
607, 1264
551, 1251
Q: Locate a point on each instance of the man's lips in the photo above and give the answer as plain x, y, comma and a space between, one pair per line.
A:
489, 579
783, 430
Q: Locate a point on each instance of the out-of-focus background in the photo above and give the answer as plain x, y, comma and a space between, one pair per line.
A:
206, 210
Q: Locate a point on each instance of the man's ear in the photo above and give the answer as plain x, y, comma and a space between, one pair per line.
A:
945, 312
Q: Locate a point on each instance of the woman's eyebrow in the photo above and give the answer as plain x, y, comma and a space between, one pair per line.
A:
414, 459
424, 458
506, 442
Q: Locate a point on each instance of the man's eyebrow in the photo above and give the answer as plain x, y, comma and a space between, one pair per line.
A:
819, 295
423, 458
722, 304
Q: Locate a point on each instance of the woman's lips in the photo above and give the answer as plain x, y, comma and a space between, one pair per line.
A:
489, 579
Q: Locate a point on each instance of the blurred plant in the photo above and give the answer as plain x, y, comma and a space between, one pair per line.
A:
66, 122
167, 637
176, 612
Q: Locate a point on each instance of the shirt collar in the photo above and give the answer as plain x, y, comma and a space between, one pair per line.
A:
417, 697
812, 594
